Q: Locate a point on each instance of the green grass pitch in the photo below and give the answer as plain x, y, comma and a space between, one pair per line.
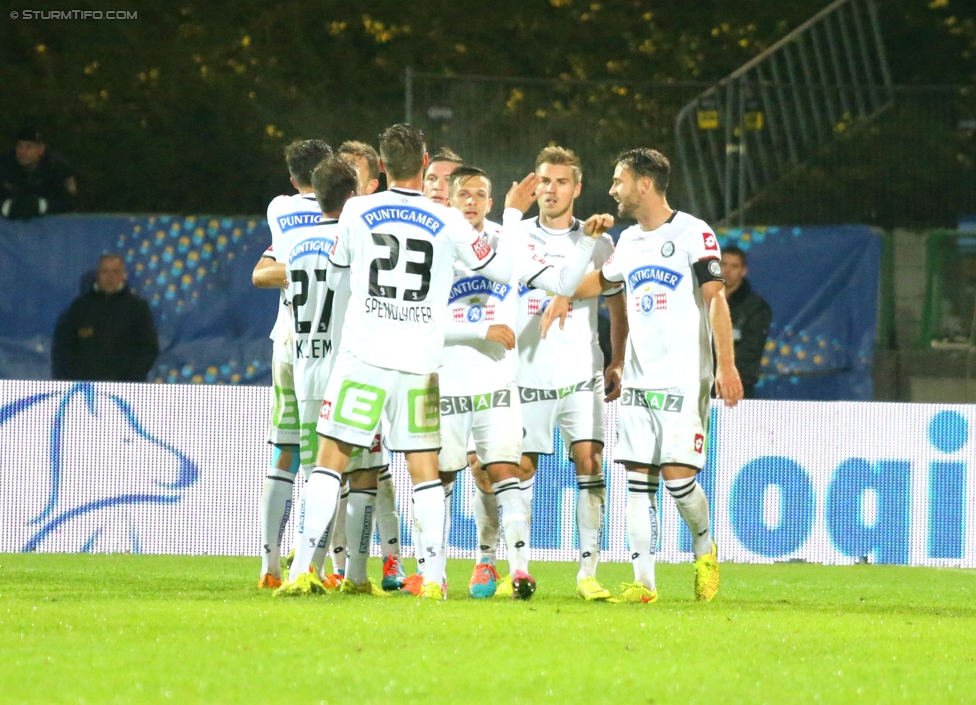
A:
122, 628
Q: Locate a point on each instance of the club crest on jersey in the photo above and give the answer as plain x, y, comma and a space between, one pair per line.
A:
654, 275
667, 249
715, 268
474, 314
711, 242
403, 214
647, 304
298, 220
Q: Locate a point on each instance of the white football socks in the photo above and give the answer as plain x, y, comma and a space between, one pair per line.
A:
528, 490
448, 514
275, 508
387, 516
321, 497
486, 523
359, 525
642, 526
590, 504
510, 499
693, 507
428, 518
336, 540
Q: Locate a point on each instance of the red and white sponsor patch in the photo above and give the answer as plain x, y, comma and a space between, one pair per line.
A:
377, 446
490, 312
699, 443
458, 313
481, 248
534, 306
711, 242
660, 301
326, 412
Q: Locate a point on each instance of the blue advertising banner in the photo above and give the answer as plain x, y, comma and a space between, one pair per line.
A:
147, 468
195, 272
821, 282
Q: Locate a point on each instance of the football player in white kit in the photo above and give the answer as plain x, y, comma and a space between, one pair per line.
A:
288, 217
561, 377
479, 397
367, 163
437, 175
399, 249
318, 312
676, 307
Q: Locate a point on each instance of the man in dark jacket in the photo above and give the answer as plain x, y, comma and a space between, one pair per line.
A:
751, 317
107, 334
34, 180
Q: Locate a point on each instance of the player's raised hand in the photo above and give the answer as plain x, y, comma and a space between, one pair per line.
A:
597, 224
728, 385
523, 194
557, 308
501, 334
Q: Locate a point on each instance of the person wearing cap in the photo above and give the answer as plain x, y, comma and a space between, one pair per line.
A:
35, 180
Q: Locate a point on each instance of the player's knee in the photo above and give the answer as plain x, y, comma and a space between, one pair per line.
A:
528, 465
286, 457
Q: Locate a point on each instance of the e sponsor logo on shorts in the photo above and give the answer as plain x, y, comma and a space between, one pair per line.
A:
359, 405
424, 410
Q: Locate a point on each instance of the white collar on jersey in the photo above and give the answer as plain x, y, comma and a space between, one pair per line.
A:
548, 231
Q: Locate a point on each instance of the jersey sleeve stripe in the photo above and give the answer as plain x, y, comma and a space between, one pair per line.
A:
536, 275
487, 262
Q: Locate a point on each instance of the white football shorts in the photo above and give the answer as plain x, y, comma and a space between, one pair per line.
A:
578, 410
361, 458
658, 427
493, 422
284, 405
360, 397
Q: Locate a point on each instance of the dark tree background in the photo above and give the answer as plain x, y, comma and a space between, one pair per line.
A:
187, 108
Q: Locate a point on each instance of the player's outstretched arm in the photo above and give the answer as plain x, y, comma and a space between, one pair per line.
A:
728, 386
619, 328
269, 274
591, 286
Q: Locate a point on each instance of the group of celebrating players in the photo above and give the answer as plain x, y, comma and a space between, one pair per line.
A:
410, 323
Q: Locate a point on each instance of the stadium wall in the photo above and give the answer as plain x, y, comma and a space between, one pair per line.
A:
179, 469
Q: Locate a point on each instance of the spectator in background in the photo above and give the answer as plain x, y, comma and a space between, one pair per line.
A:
107, 334
34, 180
751, 317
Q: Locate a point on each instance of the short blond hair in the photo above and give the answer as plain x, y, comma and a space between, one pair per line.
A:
560, 156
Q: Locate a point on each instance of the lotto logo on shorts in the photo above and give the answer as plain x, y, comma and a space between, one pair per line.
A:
326, 411
711, 243
481, 248
699, 443
377, 444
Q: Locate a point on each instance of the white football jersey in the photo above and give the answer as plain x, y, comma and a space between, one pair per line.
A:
290, 218
670, 341
473, 365
317, 310
572, 354
400, 248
